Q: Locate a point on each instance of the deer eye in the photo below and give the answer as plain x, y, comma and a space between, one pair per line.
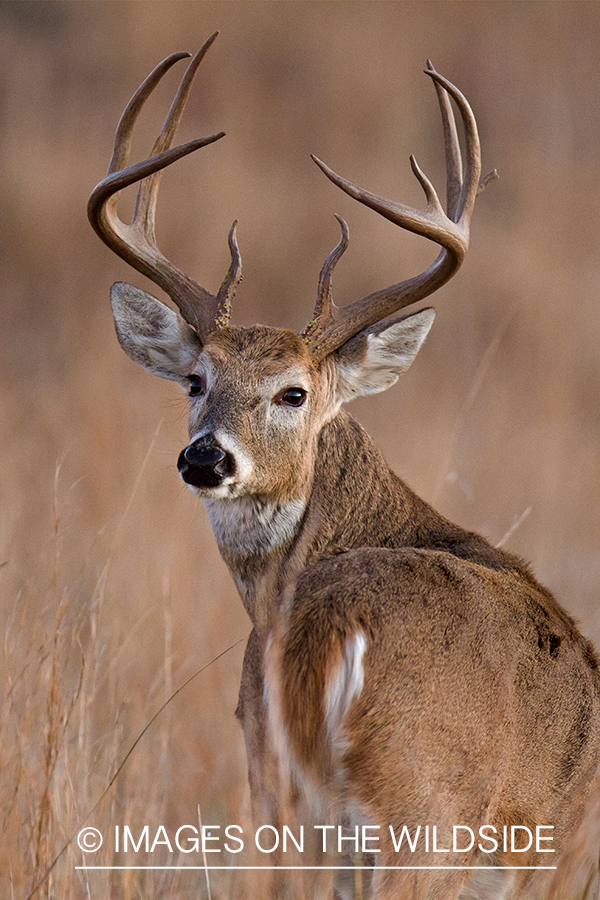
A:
294, 396
197, 385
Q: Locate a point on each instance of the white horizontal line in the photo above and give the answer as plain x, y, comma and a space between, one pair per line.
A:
316, 868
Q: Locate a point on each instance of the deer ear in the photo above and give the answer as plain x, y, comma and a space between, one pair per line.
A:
373, 360
152, 334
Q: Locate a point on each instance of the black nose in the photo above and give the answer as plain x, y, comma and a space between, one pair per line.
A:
205, 464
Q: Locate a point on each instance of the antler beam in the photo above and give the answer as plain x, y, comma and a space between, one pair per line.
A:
332, 326
136, 242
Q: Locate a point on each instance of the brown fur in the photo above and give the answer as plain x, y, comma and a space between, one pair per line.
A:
473, 673
480, 702
401, 670
478, 680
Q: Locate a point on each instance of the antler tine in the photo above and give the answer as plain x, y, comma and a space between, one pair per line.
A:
232, 279
451, 230
324, 309
145, 209
472, 171
453, 158
136, 242
122, 148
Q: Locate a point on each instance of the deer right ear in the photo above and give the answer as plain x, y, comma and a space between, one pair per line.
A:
373, 360
152, 334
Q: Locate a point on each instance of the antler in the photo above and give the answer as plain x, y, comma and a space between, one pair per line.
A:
136, 242
332, 326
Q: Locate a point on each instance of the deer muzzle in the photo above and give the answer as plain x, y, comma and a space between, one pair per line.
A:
205, 464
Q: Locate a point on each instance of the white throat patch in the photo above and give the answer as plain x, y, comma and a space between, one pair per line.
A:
248, 525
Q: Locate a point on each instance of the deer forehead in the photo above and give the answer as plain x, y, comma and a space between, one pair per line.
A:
257, 359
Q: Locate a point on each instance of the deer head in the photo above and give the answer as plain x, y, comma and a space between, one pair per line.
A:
259, 396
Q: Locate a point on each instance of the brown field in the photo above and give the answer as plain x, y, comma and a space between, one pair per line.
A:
112, 591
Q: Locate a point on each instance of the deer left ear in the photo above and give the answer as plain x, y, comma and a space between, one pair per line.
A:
153, 335
372, 361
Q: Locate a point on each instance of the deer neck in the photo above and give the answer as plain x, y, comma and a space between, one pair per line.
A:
354, 500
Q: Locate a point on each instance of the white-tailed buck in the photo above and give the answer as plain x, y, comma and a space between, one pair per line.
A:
402, 672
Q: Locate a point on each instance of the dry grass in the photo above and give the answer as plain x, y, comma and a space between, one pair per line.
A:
112, 592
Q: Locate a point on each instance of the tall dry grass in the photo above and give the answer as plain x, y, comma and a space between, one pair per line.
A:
112, 592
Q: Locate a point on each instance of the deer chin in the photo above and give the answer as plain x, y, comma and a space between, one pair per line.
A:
229, 490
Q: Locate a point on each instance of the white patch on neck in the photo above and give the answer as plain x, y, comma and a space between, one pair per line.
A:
251, 526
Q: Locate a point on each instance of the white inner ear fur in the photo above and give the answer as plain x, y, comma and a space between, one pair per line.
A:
380, 354
152, 334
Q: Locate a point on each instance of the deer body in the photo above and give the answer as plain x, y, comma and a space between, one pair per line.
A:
396, 628
401, 670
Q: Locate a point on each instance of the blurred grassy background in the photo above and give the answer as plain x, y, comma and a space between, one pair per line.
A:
112, 591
